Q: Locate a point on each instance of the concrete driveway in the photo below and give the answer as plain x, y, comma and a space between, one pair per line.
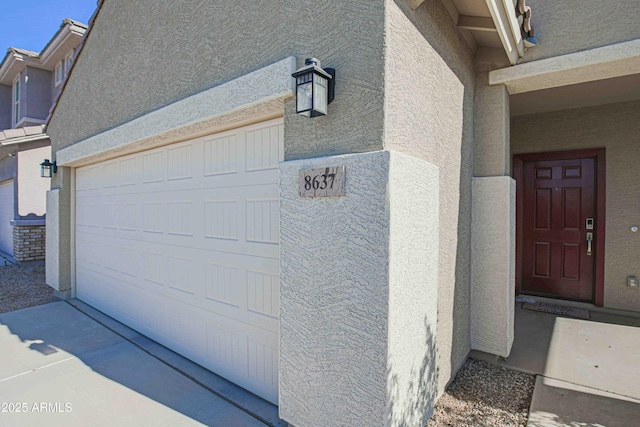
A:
61, 367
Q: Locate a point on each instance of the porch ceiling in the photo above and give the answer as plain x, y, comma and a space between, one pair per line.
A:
487, 24
609, 91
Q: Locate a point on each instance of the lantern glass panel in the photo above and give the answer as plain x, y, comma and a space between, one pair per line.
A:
320, 98
304, 93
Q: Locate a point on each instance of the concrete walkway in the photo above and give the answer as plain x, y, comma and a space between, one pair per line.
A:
589, 370
60, 367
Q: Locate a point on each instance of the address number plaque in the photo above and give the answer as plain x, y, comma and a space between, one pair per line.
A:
322, 182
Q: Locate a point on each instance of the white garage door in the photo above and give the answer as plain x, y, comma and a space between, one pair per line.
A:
181, 243
6, 215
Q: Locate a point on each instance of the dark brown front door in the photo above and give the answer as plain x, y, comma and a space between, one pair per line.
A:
558, 220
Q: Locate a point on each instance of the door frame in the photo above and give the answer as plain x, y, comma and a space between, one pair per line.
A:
599, 154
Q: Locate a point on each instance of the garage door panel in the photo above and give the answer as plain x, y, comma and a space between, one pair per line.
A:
88, 251
96, 280
262, 249
256, 190
242, 288
263, 358
181, 243
268, 177
90, 243
202, 163
238, 351
189, 217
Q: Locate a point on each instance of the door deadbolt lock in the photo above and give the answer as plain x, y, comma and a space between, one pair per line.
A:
589, 225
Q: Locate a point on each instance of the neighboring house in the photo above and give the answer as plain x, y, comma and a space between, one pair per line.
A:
475, 169
30, 83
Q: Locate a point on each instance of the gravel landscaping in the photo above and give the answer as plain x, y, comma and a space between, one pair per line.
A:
23, 286
484, 395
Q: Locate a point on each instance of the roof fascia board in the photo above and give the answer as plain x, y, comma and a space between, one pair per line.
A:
510, 10
14, 63
55, 44
476, 23
67, 28
29, 119
257, 94
601, 63
77, 54
23, 139
62, 35
501, 19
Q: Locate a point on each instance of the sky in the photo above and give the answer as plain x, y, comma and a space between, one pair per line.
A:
30, 24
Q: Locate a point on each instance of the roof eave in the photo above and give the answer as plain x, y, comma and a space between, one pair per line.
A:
62, 35
13, 63
23, 139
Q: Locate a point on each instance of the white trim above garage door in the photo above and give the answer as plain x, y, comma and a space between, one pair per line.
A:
182, 244
6, 216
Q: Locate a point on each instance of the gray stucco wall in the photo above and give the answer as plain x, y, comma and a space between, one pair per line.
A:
491, 129
5, 107
8, 168
424, 108
493, 264
615, 127
358, 321
38, 93
182, 48
429, 115
573, 25
23, 96
54, 90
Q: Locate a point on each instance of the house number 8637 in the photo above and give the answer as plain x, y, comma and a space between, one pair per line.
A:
319, 181
322, 182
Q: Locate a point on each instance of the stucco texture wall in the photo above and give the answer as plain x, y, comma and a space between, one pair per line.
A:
429, 115
359, 294
32, 188
405, 81
8, 168
5, 107
617, 128
182, 48
568, 26
38, 99
333, 316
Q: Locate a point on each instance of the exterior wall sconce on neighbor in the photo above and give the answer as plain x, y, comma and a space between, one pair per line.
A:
314, 88
46, 168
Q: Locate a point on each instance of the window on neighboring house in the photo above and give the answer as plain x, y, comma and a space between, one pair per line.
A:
58, 73
68, 61
16, 100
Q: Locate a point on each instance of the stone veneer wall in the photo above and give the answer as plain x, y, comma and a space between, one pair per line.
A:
29, 242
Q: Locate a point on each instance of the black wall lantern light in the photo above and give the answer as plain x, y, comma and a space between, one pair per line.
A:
46, 168
314, 88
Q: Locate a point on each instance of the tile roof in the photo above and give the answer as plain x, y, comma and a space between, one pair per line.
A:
9, 136
73, 22
24, 52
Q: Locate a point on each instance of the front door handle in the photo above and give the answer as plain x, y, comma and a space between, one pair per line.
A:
589, 240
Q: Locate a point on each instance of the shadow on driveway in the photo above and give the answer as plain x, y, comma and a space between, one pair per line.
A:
58, 366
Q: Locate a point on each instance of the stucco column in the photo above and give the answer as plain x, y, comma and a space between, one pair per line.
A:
493, 264
493, 224
58, 240
491, 129
359, 293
